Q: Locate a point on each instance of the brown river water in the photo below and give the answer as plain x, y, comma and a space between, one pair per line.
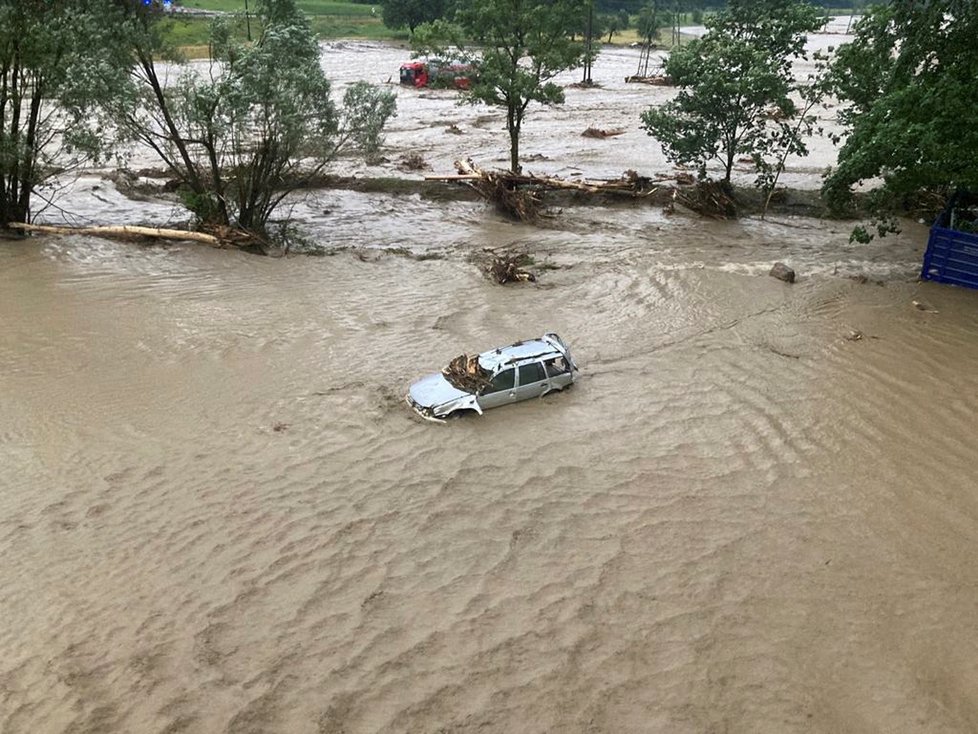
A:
218, 515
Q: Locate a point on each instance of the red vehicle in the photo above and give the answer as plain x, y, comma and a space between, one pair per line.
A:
420, 74
414, 74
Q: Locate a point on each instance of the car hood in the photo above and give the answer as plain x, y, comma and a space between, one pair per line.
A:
435, 390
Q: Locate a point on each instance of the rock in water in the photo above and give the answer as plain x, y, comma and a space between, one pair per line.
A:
782, 272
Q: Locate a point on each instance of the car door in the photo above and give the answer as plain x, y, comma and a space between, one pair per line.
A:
533, 381
500, 391
559, 372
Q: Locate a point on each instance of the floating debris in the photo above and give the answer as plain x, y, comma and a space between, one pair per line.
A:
594, 132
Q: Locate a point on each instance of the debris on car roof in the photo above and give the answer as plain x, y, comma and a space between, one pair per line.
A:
465, 373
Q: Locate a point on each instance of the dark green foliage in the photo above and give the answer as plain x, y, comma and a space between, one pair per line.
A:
650, 20
908, 82
57, 59
736, 88
412, 13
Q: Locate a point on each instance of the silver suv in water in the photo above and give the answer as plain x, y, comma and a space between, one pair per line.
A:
524, 370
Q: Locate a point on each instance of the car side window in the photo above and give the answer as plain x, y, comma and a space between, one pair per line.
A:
556, 366
505, 380
530, 373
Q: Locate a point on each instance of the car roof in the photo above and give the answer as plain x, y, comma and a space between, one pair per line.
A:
518, 352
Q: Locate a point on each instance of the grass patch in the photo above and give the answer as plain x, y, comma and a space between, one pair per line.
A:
329, 20
312, 7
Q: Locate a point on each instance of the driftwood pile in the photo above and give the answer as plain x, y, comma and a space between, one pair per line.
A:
520, 195
709, 199
465, 373
508, 269
501, 188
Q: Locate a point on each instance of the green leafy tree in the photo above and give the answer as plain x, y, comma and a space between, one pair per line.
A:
736, 89
412, 13
611, 25
522, 46
908, 85
253, 127
650, 20
57, 59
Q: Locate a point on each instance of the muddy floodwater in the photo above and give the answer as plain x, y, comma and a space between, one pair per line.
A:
756, 511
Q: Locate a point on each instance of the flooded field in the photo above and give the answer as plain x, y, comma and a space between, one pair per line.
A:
755, 512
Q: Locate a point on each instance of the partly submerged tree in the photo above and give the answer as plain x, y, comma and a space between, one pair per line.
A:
57, 59
252, 126
737, 93
908, 83
522, 46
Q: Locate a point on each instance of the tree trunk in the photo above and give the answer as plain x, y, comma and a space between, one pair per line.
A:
731, 153
513, 125
588, 41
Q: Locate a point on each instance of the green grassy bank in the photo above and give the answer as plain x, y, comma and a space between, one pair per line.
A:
329, 19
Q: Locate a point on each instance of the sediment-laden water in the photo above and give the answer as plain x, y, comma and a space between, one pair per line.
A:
755, 512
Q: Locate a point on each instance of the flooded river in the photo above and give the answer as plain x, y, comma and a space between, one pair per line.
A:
755, 512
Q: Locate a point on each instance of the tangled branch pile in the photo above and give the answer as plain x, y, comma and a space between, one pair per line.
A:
520, 195
502, 189
504, 270
465, 373
708, 198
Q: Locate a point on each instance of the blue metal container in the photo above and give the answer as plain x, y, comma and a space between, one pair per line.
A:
952, 255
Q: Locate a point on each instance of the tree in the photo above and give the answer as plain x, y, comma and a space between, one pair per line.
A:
624, 20
612, 25
736, 88
523, 45
649, 21
57, 58
253, 127
907, 81
412, 13
592, 30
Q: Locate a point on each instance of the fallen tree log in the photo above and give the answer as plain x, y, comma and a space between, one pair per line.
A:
121, 232
222, 237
